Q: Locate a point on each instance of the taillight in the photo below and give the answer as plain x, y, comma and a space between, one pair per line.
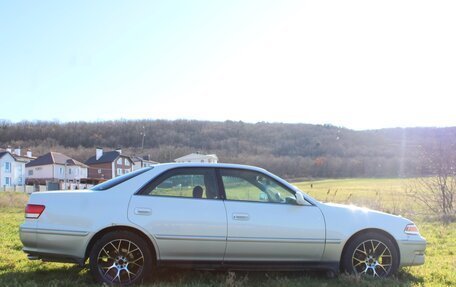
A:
34, 210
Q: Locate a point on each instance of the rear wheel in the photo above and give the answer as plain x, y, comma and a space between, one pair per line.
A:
371, 254
120, 258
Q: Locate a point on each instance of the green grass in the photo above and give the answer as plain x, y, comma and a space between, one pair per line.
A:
387, 194
380, 194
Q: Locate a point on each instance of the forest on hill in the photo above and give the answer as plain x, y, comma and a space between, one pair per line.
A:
289, 150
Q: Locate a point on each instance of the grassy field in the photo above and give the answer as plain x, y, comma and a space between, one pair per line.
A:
380, 194
383, 194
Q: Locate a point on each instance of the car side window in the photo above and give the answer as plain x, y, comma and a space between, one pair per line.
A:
184, 182
246, 185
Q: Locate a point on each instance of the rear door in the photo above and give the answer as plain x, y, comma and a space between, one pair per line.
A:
182, 210
265, 223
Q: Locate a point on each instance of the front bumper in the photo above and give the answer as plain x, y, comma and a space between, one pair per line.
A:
412, 250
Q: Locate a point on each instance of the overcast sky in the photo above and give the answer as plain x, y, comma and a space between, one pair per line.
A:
358, 64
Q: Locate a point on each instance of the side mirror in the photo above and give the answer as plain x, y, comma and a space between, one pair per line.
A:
300, 198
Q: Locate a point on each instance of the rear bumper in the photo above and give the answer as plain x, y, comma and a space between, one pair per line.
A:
54, 245
412, 251
62, 258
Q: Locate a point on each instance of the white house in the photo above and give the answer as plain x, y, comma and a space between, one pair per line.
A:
57, 168
198, 157
12, 171
140, 162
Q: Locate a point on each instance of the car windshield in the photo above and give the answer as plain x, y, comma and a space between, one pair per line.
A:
118, 180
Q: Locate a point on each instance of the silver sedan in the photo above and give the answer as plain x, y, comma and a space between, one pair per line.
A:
211, 216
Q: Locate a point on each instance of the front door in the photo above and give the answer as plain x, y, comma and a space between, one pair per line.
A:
266, 224
181, 209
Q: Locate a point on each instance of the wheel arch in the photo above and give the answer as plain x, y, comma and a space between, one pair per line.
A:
102, 232
375, 230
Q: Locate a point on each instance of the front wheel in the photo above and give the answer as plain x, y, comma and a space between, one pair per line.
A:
120, 258
371, 254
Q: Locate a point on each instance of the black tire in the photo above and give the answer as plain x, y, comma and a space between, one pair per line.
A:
120, 258
371, 254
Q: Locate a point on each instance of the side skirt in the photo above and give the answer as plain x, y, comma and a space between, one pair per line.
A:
251, 265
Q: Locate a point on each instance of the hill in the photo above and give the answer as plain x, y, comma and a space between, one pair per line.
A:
290, 150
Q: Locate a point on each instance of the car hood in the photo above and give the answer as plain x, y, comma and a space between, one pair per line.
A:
344, 220
356, 209
363, 212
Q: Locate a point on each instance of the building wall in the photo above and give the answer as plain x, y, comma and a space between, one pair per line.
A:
141, 164
137, 165
19, 173
122, 165
198, 158
75, 172
42, 171
101, 170
56, 172
12, 172
59, 171
148, 163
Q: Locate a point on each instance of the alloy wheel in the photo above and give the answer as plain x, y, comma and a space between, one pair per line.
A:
372, 258
120, 261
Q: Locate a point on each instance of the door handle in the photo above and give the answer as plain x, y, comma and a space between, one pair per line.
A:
241, 216
143, 211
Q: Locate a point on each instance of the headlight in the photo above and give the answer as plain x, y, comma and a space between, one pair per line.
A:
411, 229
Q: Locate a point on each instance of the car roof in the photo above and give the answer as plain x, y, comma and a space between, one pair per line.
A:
213, 165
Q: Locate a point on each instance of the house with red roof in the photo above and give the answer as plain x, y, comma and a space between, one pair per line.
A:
55, 167
105, 165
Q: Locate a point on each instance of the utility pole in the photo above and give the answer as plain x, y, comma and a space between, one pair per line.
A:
65, 176
143, 133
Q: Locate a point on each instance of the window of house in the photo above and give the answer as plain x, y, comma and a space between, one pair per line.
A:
7, 167
119, 161
61, 170
127, 162
99, 170
7, 180
19, 180
30, 172
69, 171
184, 182
119, 171
246, 185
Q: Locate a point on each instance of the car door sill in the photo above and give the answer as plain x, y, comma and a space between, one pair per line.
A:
251, 265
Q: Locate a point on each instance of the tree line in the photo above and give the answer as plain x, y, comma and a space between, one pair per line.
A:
290, 150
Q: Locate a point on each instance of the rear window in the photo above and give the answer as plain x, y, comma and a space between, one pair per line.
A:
118, 180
